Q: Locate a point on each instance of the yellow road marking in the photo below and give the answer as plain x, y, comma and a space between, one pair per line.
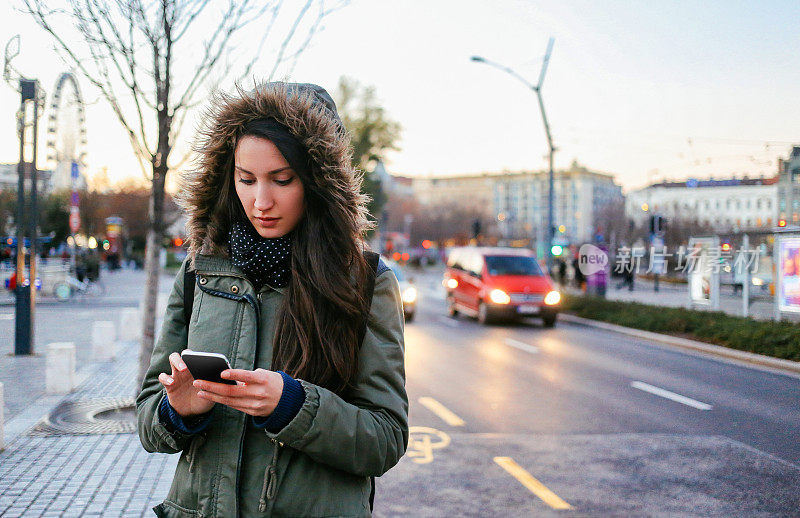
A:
535, 487
421, 445
442, 411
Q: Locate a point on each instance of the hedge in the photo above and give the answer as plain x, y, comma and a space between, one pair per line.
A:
777, 339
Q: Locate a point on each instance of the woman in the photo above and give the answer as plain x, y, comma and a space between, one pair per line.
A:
275, 225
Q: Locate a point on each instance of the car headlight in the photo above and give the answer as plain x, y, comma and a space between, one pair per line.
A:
757, 281
451, 283
552, 298
499, 297
409, 295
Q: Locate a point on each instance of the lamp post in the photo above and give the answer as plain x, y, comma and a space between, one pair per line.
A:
538, 90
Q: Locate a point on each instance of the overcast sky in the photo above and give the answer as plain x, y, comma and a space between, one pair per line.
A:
642, 90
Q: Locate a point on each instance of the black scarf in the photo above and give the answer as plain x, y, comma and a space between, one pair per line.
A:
263, 260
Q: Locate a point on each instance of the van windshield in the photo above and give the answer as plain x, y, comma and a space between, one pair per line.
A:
512, 265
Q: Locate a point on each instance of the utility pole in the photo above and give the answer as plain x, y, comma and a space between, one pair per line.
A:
538, 90
25, 289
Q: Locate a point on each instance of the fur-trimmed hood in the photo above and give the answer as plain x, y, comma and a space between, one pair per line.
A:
310, 114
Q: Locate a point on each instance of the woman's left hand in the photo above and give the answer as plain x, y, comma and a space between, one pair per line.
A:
256, 392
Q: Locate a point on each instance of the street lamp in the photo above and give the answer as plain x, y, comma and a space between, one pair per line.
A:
538, 90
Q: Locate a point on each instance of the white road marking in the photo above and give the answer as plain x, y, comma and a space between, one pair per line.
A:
522, 346
449, 322
670, 395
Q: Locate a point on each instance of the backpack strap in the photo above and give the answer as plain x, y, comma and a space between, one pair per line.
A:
372, 261
189, 280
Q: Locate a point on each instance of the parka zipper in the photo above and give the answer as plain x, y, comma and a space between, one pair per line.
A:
254, 304
270, 476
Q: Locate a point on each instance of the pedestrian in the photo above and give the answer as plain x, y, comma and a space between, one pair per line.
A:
275, 242
580, 279
562, 272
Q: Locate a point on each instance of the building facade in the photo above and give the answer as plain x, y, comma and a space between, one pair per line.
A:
517, 202
730, 204
9, 179
789, 187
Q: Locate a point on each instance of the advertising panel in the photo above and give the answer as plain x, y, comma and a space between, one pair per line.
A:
789, 274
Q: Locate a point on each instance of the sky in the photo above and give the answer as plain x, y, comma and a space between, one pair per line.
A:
645, 91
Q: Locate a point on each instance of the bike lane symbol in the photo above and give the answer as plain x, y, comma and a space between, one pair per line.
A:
422, 441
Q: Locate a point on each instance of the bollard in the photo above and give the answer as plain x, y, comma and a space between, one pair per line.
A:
2, 404
60, 368
130, 324
104, 340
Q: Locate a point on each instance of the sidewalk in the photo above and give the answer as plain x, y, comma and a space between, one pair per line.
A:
44, 472
677, 295
86, 475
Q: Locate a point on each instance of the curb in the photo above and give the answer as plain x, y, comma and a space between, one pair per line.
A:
752, 359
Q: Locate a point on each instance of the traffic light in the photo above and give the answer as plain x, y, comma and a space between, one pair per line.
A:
657, 223
782, 223
556, 250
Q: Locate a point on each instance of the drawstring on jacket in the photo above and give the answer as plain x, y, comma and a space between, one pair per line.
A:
268, 489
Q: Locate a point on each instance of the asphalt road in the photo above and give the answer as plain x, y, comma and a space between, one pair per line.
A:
592, 423
518, 420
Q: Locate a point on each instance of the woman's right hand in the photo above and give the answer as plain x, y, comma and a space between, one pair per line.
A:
182, 395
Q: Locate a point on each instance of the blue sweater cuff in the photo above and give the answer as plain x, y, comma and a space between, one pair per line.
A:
188, 425
292, 399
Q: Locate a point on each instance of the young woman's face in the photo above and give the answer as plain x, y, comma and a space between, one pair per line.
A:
271, 193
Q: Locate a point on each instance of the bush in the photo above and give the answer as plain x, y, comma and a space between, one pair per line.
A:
777, 339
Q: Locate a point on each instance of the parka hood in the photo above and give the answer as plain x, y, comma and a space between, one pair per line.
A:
308, 111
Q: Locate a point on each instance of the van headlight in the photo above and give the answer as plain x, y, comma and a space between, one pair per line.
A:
409, 295
552, 298
499, 297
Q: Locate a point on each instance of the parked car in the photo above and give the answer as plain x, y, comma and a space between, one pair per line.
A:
408, 291
499, 283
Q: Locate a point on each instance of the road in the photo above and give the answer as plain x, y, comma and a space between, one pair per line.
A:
609, 424
518, 420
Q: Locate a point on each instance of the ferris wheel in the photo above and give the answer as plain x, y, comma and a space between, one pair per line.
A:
66, 133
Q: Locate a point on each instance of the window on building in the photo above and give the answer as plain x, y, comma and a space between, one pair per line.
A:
758, 205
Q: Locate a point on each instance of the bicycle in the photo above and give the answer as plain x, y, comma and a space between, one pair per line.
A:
65, 290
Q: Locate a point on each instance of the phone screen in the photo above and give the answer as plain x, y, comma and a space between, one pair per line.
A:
207, 368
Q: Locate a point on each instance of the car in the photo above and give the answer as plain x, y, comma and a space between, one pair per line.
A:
493, 283
408, 291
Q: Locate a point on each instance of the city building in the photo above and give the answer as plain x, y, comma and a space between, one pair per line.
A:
517, 202
9, 179
789, 187
725, 204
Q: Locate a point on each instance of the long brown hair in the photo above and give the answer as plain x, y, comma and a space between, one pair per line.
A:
318, 323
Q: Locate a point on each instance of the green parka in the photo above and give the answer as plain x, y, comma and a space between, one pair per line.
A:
320, 463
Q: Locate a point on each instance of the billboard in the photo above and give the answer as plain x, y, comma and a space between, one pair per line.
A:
703, 276
788, 270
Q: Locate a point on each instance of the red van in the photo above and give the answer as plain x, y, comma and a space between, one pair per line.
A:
499, 283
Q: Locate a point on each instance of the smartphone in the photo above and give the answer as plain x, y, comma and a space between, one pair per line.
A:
206, 366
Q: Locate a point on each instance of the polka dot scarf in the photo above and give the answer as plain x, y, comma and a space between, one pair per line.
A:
264, 261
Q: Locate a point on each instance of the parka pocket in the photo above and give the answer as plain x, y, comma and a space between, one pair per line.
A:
167, 509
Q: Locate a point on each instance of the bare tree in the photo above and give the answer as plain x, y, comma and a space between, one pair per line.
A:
153, 62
